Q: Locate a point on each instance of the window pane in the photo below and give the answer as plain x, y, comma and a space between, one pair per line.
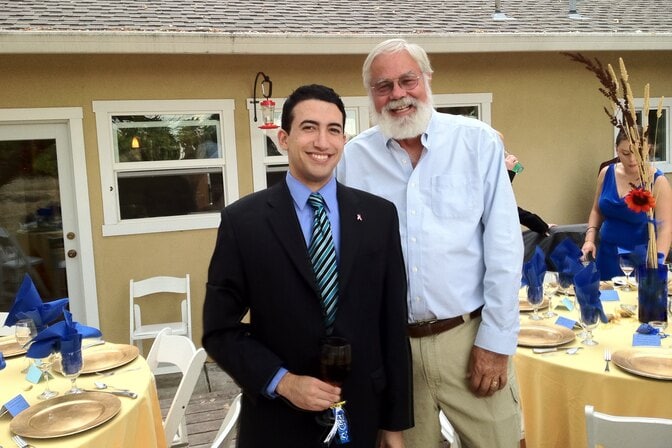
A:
275, 174
467, 111
146, 138
170, 193
657, 133
351, 122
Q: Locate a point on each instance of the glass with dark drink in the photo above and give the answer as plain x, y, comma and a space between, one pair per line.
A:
335, 360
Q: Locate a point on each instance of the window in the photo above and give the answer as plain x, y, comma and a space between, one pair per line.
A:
659, 131
165, 165
269, 165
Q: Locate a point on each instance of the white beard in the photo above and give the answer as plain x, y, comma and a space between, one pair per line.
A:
409, 126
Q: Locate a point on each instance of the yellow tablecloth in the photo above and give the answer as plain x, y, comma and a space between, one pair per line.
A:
138, 424
555, 388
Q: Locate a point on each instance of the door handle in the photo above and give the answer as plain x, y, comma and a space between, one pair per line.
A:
72, 253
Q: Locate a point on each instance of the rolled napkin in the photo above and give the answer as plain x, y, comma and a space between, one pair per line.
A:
534, 270
587, 289
28, 305
65, 336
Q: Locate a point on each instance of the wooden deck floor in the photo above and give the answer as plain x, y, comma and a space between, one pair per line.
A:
207, 407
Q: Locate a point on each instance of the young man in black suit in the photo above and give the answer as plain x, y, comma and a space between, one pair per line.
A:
261, 263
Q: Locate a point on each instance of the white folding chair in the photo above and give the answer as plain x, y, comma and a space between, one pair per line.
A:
230, 419
5, 331
448, 432
180, 351
624, 432
155, 289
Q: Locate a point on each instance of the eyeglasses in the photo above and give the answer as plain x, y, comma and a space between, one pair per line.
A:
386, 86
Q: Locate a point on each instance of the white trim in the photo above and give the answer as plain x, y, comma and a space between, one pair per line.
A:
129, 42
104, 110
666, 166
82, 272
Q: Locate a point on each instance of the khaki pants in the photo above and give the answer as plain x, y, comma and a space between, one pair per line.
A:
440, 365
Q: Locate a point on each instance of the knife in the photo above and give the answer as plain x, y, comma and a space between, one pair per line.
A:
121, 393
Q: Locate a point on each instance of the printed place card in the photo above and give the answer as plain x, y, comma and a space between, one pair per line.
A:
14, 406
566, 303
609, 295
34, 374
648, 340
565, 322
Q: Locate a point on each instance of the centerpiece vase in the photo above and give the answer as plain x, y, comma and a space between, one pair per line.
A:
652, 293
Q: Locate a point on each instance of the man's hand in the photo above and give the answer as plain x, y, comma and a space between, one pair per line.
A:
390, 439
307, 392
487, 372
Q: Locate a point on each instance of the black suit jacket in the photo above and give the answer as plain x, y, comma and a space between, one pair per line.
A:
261, 263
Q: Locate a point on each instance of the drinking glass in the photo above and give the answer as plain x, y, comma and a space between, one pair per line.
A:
535, 295
628, 267
25, 331
550, 288
589, 318
44, 365
71, 365
565, 281
335, 364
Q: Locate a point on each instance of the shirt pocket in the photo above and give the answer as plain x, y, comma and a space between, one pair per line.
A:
453, 196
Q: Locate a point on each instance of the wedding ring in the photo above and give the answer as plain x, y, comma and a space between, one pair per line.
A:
494, 384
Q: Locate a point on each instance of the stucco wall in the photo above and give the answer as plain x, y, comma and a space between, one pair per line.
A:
547, 107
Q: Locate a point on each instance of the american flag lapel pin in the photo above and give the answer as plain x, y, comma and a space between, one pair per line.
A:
359, 217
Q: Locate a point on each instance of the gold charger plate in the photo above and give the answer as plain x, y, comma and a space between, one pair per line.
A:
525, 306
544, 335
65, 415
652, 363
10, 347
109, 357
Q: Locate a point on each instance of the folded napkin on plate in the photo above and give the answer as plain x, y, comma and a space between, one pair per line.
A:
565, 249
587, 289
28, 305
65, 336
534, 270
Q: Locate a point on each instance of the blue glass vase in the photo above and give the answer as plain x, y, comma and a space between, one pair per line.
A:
652, 293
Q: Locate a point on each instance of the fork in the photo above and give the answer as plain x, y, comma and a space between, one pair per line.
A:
20, 442
607, 358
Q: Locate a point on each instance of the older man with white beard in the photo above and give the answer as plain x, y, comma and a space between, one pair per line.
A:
462, 245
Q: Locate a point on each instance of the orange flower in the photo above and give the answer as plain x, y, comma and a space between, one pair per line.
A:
640, 200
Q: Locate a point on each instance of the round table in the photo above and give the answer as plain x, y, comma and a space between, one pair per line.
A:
555, 387
138, 423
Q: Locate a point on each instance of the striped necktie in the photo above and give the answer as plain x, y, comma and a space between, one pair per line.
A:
323, 257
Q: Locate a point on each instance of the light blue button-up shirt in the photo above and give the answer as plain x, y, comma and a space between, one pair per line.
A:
459, 224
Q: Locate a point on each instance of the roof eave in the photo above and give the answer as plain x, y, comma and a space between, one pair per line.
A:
131, 42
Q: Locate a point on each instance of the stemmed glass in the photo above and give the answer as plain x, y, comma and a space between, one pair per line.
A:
565, 281
44, 365
589, 318
550, 288
71, 365
628, 267
25, 331
335, 364
535, 295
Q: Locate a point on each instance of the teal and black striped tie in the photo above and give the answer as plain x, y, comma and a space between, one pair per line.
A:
323, 256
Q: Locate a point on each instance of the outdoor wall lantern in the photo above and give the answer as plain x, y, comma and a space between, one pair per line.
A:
135, 142
267, 105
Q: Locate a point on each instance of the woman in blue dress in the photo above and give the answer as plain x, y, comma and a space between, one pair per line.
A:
618, 226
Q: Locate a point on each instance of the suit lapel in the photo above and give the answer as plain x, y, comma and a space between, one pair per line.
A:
351, 230
283, 221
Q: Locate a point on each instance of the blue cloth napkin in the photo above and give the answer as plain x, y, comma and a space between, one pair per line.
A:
28, 305
647, 329
65, 337
587, 289
534, 270
565, 249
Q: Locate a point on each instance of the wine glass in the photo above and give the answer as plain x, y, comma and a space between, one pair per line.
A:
335, 363
25, 331
535, 295
44, 365
589, 318
628, 267
550, 288
565, 281
71, 364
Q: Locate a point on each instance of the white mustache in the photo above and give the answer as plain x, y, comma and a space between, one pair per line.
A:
400, 103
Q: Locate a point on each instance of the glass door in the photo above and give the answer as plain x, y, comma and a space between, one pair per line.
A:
39, 219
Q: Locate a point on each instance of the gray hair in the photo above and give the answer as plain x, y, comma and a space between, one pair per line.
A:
395, 46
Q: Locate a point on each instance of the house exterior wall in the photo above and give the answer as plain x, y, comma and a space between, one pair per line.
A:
547, 107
